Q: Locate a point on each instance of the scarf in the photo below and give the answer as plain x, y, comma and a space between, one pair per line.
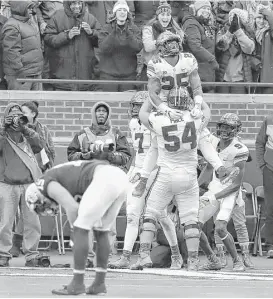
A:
260, 33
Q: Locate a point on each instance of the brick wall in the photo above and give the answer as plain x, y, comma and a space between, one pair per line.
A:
65, 113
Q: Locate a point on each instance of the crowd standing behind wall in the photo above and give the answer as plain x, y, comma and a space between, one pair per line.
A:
231, 40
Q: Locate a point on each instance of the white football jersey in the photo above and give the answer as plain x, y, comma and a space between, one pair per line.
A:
177, 140
172, 76
234, 153
141, 138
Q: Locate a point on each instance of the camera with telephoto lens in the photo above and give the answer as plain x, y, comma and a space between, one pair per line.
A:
103, 147
18, 120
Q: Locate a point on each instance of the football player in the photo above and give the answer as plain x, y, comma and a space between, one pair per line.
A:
222, 196
172, 72
92, 193
176, 177
141, 138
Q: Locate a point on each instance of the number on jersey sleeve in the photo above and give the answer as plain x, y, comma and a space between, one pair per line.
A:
140, 136
189, 136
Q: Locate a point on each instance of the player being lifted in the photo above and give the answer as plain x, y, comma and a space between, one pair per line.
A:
92, 194
222, 197
174, 72
179, 129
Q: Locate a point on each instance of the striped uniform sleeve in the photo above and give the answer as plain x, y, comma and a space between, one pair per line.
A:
241, 156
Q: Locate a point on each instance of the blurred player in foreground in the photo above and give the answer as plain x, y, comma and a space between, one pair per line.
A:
92, 194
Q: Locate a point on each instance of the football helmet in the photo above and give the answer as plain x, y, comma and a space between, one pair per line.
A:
40, 204
180, 99
136, 102
229, 126
169, 44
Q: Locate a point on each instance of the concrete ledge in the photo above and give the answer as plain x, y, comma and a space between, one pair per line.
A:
13, 95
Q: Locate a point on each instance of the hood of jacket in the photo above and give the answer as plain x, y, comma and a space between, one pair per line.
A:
20, 8
99, 129
67, 3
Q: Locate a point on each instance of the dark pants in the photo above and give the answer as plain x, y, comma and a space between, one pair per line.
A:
268, 196
161, 255
117, 87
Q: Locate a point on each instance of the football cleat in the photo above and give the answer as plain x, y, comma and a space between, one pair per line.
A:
177, 262
122, 263
238, 265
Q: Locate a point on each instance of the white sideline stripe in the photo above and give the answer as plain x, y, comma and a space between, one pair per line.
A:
160, 272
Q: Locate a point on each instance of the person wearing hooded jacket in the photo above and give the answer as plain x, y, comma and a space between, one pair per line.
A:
18, 169
200, 40
72, 36
2, 80
22, 52
100, 131
119, 43
86, 145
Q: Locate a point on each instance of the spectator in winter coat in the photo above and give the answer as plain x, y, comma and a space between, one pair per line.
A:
264, 46
150, 32
145, 11
45, 11
200, 40
2, 80
72, 35
22, 53
119, 43
234, 45
103, 10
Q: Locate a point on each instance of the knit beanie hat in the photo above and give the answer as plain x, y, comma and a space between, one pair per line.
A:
201, 3
120, 4
163, 7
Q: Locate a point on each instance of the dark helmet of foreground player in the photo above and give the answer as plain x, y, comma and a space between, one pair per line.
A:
136, 102
169, 44
38, 203
179, 98
229, 126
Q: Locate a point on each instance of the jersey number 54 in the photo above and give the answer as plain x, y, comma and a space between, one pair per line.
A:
188, 136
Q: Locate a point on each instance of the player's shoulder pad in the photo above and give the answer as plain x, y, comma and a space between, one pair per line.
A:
187, 55
240, 150
157, 119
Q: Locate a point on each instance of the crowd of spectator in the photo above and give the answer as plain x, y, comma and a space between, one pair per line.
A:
114, 40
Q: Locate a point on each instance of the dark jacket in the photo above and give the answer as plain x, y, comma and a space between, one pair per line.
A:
266, 53
12, 169
22, 53
145, 11
246, 46
264, 144
75, 58
2, 22
119, 157
118, 49
200, 45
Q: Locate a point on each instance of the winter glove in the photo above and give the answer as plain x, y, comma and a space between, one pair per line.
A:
214, 64
234, 26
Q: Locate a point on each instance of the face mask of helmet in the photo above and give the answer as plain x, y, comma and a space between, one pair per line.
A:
229, 126
180, 99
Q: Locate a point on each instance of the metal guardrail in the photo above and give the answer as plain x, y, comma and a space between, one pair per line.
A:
248, 85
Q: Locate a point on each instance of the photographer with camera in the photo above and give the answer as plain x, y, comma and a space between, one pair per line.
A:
100, 141
18, 169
